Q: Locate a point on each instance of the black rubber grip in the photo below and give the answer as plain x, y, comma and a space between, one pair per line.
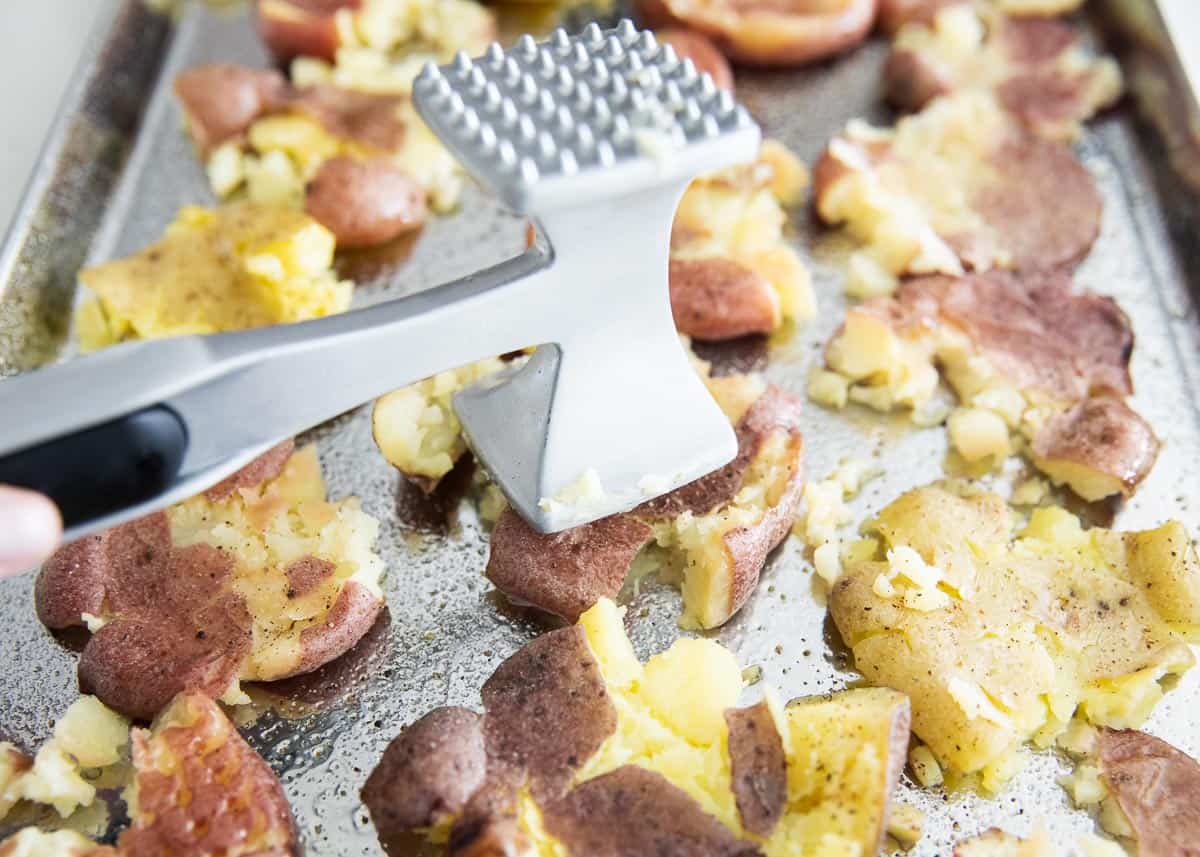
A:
105, 468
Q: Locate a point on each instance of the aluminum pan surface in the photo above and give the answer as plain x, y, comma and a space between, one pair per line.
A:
447, 629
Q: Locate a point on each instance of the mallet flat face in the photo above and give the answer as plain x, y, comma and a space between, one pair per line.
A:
597, 135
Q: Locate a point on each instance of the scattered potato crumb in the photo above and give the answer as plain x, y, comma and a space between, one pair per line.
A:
828, 388
925, 768
906, 824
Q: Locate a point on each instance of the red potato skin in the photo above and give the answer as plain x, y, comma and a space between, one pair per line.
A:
292, 28
1158, 789
174, 623
714, 299
764, 34
698, 48
219, 797
222, 100
364, 202
565, 573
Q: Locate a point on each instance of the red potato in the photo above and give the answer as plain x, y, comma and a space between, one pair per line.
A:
364, 202
698, 48
553, 737
758, 767
173, 617
769, 33
221, 101
1037, 67
1034, 205
565, 573
292, 28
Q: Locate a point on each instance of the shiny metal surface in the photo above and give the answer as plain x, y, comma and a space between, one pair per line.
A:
447, 629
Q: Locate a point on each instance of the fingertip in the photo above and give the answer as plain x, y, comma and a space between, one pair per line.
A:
30, 529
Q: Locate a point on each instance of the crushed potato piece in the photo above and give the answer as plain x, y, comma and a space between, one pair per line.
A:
1012, 348
260, 578
88, 736
958, 186
228, 268
737, 216
416, 428
1038, 68
813, 778
1040, 625
924, 766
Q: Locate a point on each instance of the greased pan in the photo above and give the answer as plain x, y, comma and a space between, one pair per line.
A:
113, 176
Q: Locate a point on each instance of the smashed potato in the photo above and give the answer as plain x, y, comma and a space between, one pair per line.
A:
710, 537
198, 789
88, 736
731, 271
270, 149
400, 32
959, 185
1000, 637
1033, 362
258, 579
227, 268
666, 738
767, 33
1038, 68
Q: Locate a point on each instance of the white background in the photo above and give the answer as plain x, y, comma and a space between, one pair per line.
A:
43, 39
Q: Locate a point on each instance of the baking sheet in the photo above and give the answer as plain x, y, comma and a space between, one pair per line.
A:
446, 629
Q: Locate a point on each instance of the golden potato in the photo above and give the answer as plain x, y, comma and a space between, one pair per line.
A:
666, 734
228, 268
258, 579
1000, 636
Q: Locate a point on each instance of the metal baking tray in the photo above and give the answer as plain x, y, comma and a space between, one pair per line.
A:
117, 167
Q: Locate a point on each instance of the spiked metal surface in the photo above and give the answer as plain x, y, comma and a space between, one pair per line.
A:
580, 117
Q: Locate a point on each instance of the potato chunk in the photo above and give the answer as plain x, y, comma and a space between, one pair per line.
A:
416, 428
227, 268
1032, 626
665, 735
732, 271
258, 579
